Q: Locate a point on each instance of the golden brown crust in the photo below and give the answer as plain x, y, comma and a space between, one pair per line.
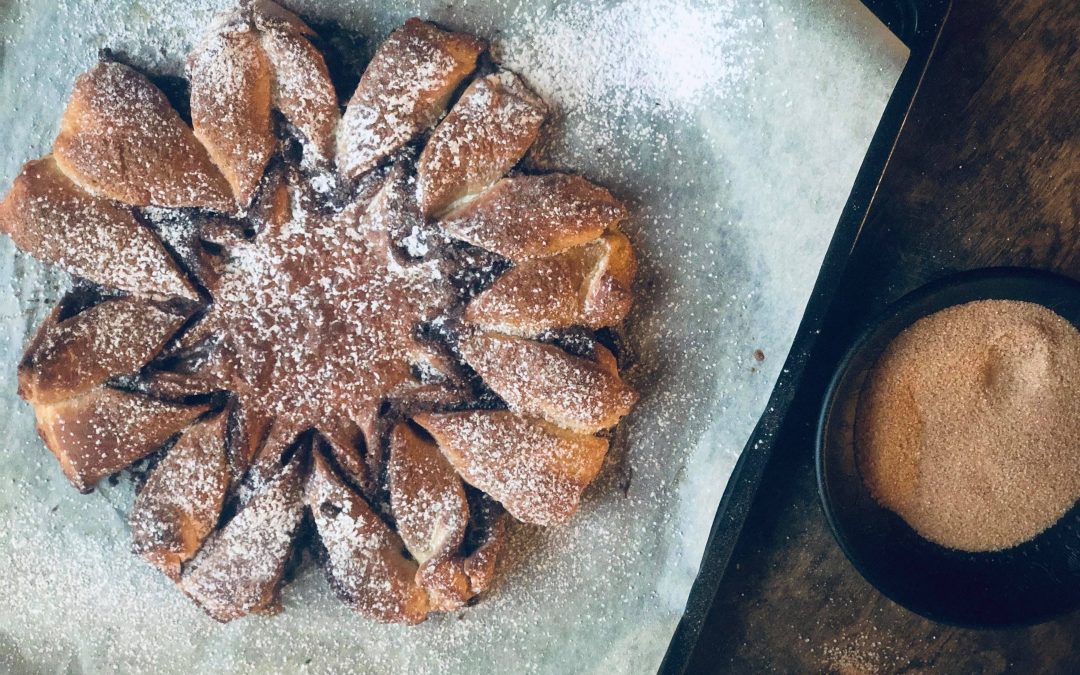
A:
239, 569
115, 337
180, 503
230, 107
490, 535
488, 130
343, 440
481, 564
364, 560
544, 381
248, 431
529, 216
417, 473
431, 513
270, 16
280, 437
403, 92
53, 220
607, 296
303, 91
533, 468
588, 285
172, 386
120, 138
103, 430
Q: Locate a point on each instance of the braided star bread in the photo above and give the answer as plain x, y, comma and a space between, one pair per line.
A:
346, 326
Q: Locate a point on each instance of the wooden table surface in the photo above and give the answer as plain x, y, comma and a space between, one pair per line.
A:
987, 173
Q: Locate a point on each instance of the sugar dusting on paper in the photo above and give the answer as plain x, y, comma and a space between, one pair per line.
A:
664, 54
732, 128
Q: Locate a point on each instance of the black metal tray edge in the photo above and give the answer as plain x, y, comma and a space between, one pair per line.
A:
918, 24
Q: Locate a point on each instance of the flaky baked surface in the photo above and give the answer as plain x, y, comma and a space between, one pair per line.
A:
363, 330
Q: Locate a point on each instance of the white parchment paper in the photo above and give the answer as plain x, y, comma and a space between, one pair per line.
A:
734, 128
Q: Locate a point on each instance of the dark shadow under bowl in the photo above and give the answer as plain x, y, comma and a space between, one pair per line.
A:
1026, 584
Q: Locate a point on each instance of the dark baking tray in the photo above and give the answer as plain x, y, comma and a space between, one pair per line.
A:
918, 24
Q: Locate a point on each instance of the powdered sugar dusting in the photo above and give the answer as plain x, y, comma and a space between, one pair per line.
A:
490, 128
121, 138
49, 216
535, 470
665, 54
230, 106
316, 317
117, 336
181, 502
102, 430
239, 568
403, 92
544, 381
529, 216
429, 505
364, 557
302, 91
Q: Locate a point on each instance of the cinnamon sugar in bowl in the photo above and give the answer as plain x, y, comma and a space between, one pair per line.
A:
969, 426
948, 449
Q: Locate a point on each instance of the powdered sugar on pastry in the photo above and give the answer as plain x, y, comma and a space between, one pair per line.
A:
404, 91
328, 312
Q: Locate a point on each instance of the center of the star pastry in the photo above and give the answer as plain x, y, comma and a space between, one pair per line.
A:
317, 314
357, 321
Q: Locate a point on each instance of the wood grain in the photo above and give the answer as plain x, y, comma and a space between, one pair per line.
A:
987, 173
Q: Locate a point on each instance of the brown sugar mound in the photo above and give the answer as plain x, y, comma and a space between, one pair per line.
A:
969, 425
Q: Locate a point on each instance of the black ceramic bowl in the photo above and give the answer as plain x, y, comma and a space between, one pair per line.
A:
1022, 585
